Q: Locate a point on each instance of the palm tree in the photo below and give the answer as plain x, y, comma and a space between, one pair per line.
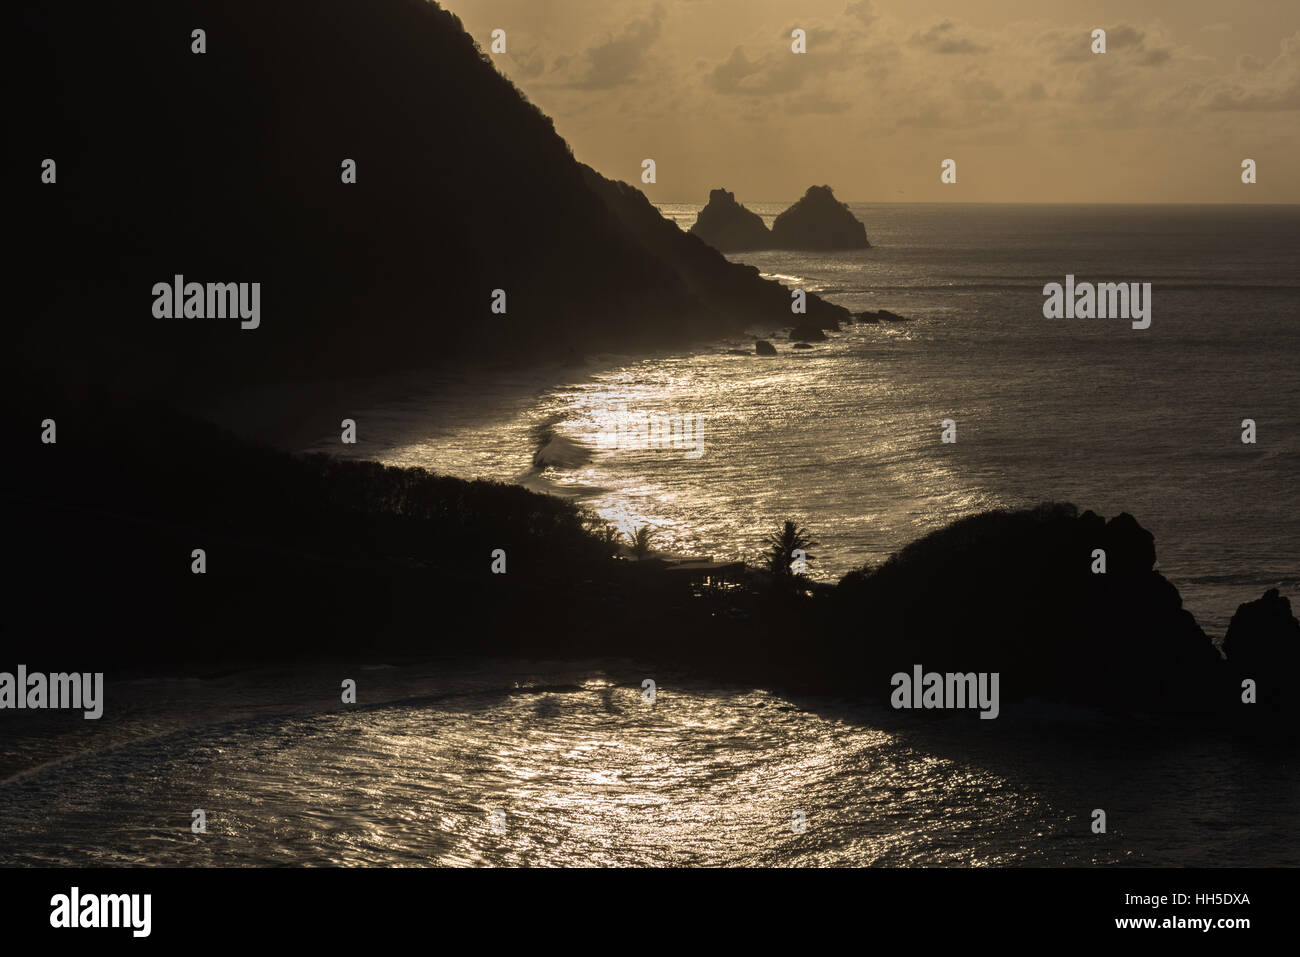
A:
782, 545
641, 541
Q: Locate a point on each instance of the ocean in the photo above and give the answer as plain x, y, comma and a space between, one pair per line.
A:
564, 763
845, 438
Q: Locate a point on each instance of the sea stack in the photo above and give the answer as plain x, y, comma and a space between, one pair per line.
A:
728, 226
1263, 639
818, 221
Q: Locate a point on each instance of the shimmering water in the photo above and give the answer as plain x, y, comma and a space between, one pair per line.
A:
586, 772
845, 437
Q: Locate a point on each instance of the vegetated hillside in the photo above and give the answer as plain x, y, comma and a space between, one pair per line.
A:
225, 167
312, 557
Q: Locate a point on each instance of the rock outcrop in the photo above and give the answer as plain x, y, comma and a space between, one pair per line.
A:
730, 295
728, 226
1016, 593
818, 221
1263, 642
807, 332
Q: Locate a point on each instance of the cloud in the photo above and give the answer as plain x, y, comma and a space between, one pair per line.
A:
864, 11
619, 59
1129, 38
820, 38
946, 37
1066, 46
1124, 36
528, 63
1258, 86
978, 88
818, 103
1125, 43
897, 77
769, 74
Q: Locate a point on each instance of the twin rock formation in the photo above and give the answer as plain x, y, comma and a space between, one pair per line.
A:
818, 221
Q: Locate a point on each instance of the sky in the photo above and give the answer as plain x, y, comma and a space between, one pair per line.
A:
712, 91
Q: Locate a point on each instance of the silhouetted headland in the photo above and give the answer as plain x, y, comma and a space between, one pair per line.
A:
310, 557
462, 188
228, 170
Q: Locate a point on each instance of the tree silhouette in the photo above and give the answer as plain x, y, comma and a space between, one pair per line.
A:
641, 541
782, 545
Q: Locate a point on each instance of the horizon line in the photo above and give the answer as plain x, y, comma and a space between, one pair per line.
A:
895, 202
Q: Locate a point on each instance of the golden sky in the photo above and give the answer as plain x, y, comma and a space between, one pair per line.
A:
888, 89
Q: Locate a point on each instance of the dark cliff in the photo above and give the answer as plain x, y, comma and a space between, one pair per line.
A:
226, 167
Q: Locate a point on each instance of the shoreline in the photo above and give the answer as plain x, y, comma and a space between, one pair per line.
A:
160, 702
299, 427
320, 561
296, 423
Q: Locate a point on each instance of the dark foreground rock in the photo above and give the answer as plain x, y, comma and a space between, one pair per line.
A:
728, 226
1015, 593
764, 348
1263, 647
818, 221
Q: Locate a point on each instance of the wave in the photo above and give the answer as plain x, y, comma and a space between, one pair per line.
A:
556, 450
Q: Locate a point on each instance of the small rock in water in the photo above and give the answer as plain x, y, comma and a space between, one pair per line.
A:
807, 333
